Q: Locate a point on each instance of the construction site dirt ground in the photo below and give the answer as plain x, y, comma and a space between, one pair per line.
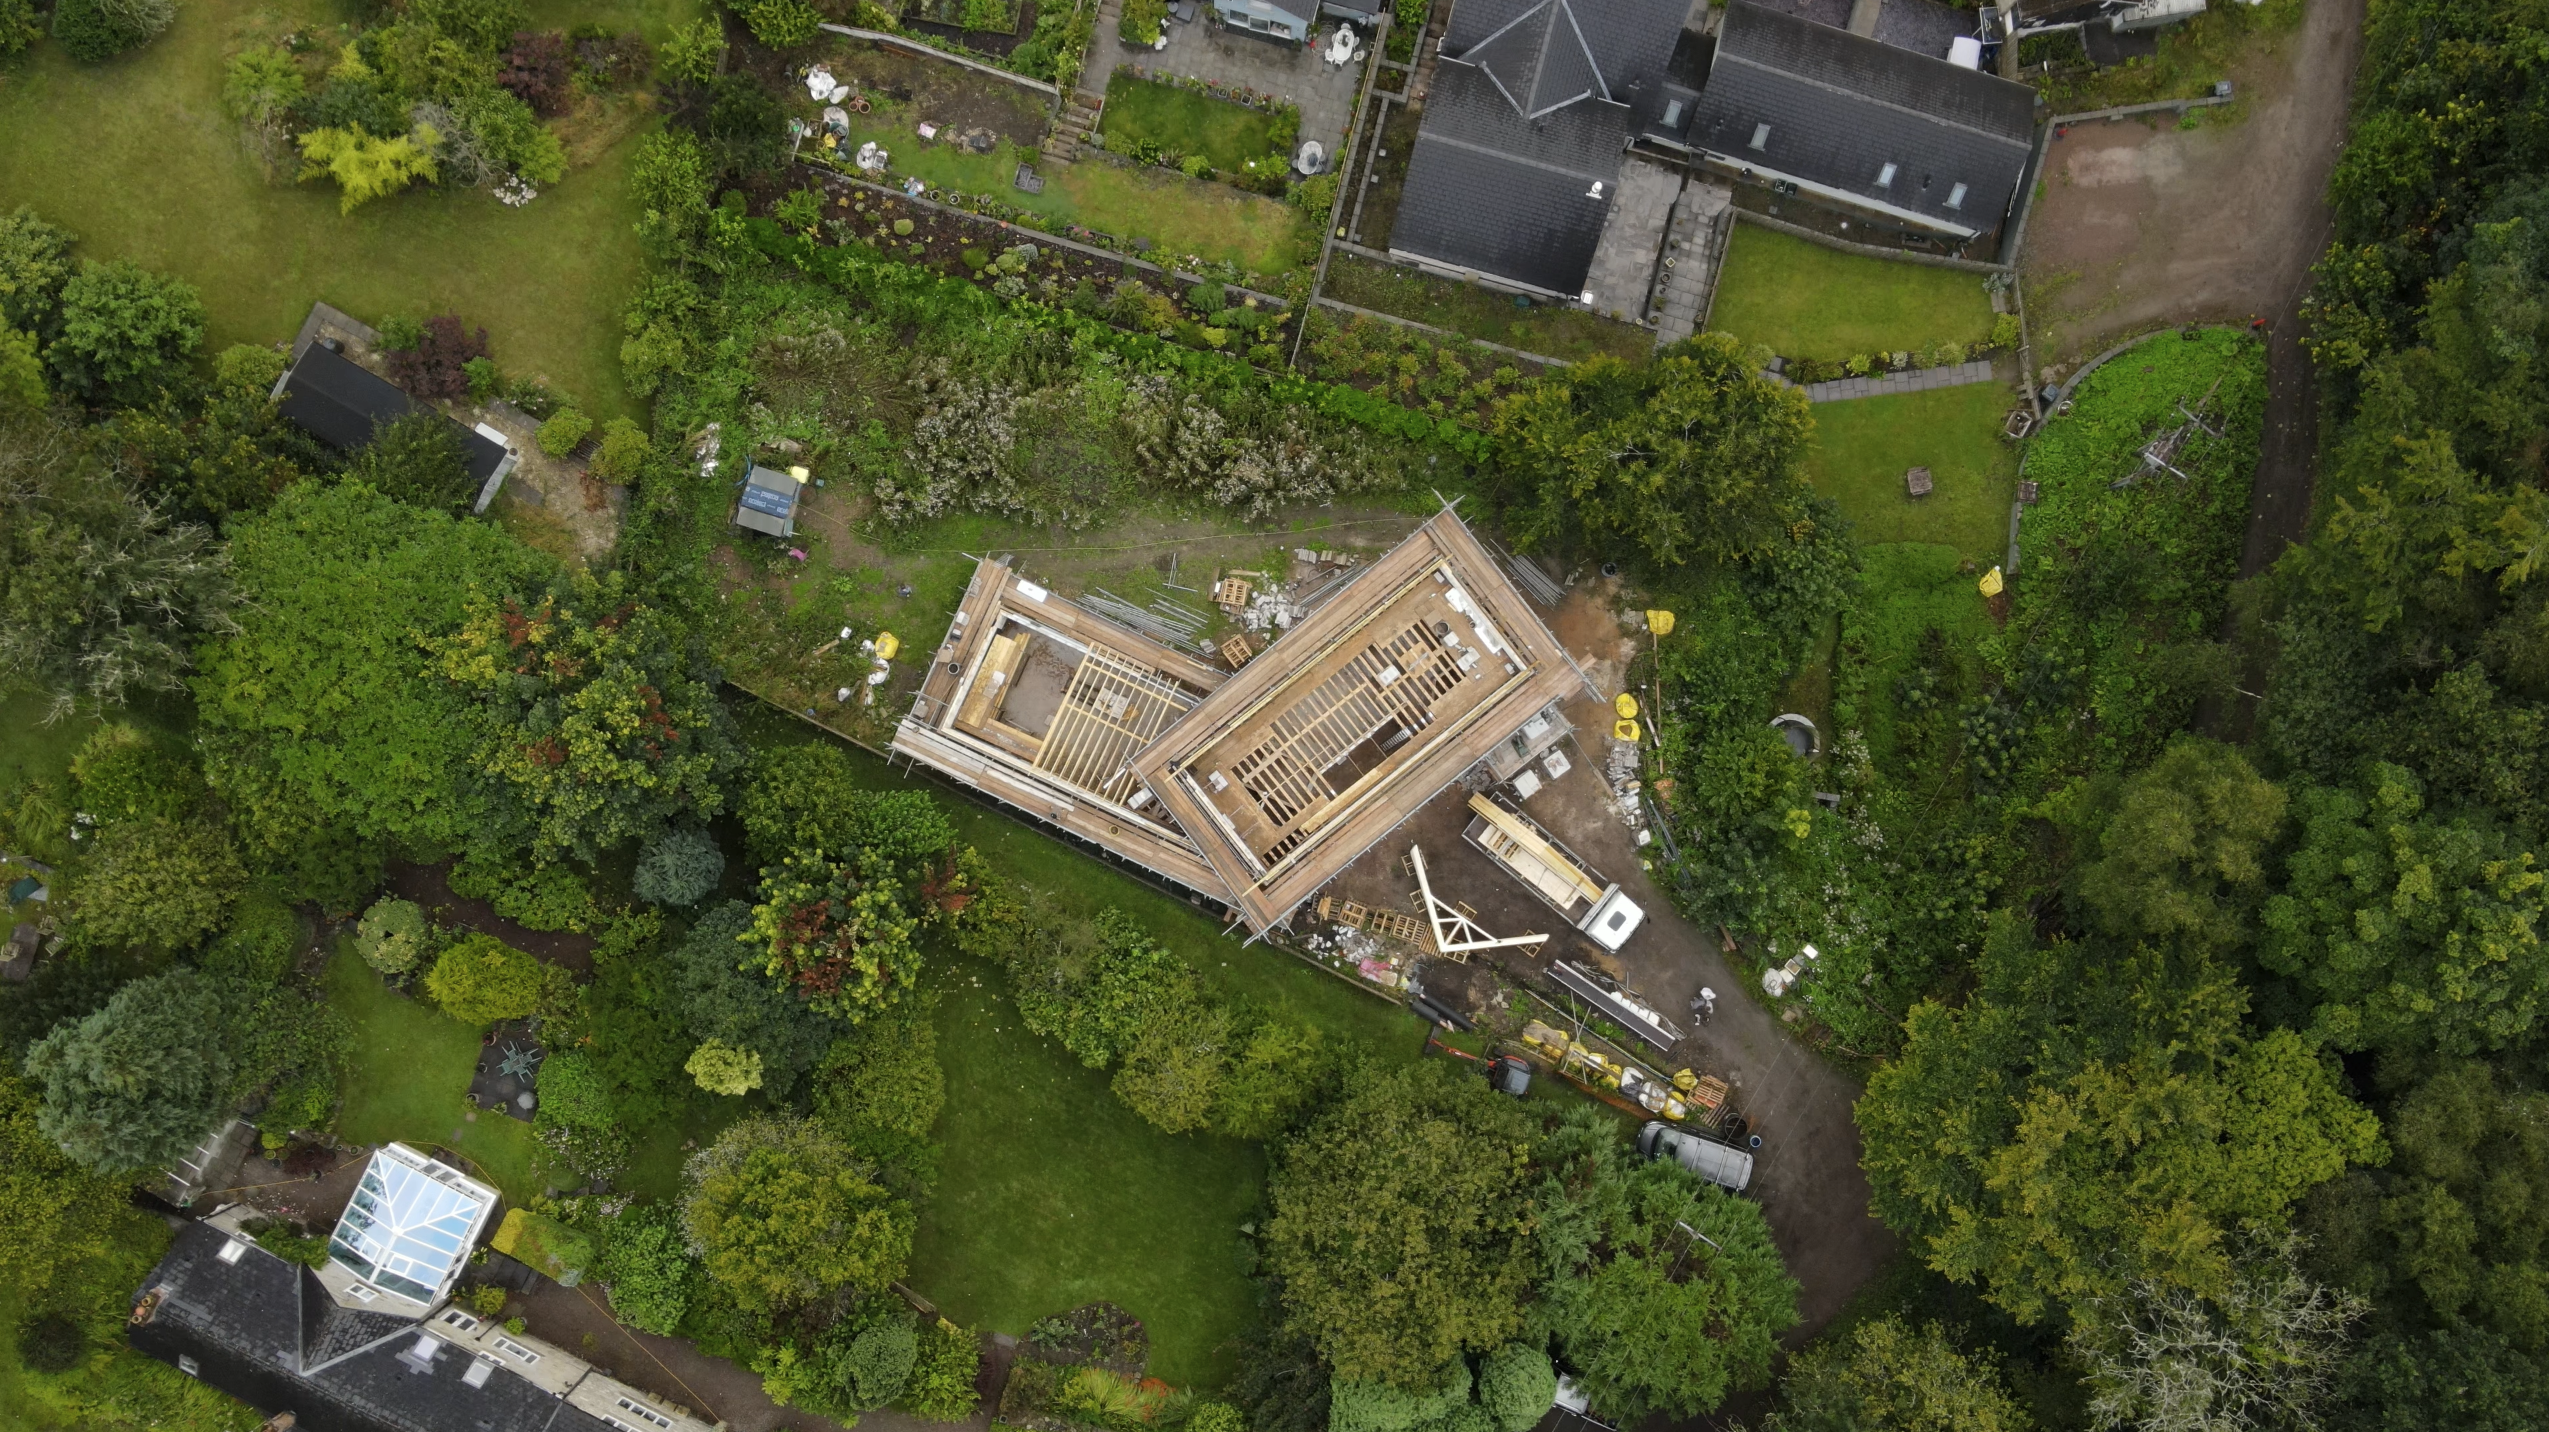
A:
1806, 1175
2141, 224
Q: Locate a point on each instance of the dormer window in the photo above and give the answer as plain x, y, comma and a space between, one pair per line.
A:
1885, 177
1760, 137
1956, 197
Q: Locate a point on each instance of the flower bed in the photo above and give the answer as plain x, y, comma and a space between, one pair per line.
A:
1020, 262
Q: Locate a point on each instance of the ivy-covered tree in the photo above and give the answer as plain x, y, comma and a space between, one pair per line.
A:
1400, 1225
836, 935
599, 719
161, 884
1178, 1063
1661, 1288
2092, 1116
1690, 456
2258, 1353
323, 696
139, 1082
810, 797
126, 332
782, 1214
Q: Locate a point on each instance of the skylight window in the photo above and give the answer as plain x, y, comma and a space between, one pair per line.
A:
1956, 197
1760, 136
408, 1230
1885, 177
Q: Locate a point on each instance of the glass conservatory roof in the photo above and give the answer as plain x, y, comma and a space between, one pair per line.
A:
411, 1224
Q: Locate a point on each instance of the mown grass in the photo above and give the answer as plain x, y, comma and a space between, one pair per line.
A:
136, 156
1231, 136
1807, 301
1863, 446
409, 1081
1545, 329
1051, 1193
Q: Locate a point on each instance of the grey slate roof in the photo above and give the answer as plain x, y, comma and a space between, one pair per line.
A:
258, 1329
1840, 107
1531, 107
340, 402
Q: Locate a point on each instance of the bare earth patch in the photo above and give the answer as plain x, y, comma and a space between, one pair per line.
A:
2142, 225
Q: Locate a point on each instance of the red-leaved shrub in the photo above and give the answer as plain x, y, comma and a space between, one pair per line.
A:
539, 70
432, 369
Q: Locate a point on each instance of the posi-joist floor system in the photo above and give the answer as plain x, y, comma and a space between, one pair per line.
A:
1290, 770
1040, 704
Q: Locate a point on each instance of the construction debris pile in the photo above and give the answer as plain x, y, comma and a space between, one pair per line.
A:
1627, 790
1363, 954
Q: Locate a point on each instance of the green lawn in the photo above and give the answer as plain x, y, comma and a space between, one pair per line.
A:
1052, 1194
410, 1082
135, 156
1808, 301
1232, 136
1907, 588
1551, 331
1863, 446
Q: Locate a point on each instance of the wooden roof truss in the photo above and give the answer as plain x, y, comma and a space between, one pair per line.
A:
1455, 933
1112, 710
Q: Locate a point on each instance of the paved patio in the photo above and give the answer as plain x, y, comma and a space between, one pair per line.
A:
1632, 239
1206, 50
1919, 380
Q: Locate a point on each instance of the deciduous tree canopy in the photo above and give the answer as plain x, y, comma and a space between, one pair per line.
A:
1401, 1224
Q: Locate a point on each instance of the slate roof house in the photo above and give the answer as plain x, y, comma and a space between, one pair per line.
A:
284, 1338
341, 403
1532, 108
1867, 126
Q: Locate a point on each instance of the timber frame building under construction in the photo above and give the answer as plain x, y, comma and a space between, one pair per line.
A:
1251, 789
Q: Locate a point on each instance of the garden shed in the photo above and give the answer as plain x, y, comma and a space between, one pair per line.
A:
1263, 17
342, 403
768, 504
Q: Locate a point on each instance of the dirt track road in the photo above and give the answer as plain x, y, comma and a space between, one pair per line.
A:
2145, 225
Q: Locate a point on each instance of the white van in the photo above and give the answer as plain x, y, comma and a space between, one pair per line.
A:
1721, 1164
